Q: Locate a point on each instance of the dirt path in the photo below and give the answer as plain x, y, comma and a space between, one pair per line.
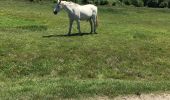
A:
163, 96
160, 96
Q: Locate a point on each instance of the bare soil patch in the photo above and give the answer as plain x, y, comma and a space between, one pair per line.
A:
160, 96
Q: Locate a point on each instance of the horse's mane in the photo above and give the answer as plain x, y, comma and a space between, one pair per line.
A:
72, 3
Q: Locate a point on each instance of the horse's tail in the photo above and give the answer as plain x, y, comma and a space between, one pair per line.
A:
97, 24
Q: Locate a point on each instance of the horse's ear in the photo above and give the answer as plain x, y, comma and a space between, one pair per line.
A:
59, 1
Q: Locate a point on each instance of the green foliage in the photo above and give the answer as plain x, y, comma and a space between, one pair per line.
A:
163, 4
138, 3
145, 2
149, 3
34, 0
104, 2
153, 3
117, 3
101, 2
127, 2
54, 1
114, 3
169, 4
84, 1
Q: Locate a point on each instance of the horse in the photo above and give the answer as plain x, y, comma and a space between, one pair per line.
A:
77, 13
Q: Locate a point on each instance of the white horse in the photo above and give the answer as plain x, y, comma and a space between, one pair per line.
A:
78, 12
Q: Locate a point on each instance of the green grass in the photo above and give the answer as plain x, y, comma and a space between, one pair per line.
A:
129, 55
52, 88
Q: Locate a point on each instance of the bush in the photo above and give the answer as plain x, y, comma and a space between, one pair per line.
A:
152, 3
96, 2
163, 4
85, 1
34, 0
145, 2
104, 2
101, 2
169, 4
114, 3
138, 3
127, 2
54, 1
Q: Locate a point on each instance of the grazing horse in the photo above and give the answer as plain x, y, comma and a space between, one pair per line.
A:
78, 12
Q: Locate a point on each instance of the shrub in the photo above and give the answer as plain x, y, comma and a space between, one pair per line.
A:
101, 2
114, 3
163, 4
90, 2
168, 4
152, 3
96, 2
159, 1
84, 1
127, 2
145, 2
104, 2
34, 0
138, 3
54, 1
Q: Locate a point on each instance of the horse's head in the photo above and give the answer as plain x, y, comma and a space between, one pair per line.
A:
57, 7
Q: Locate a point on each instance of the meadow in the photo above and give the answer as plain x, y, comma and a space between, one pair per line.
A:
129, 55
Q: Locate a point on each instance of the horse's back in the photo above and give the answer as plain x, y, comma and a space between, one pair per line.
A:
93, 7
89, 8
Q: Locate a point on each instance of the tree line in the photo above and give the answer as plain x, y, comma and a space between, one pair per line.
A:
137, 3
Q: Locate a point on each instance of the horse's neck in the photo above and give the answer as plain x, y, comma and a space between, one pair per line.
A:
68, 6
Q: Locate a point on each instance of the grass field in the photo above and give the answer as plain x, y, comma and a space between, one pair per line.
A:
129, 55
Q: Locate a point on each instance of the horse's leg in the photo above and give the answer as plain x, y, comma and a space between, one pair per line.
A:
94, 21
70, 27
91, 24
78, 26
